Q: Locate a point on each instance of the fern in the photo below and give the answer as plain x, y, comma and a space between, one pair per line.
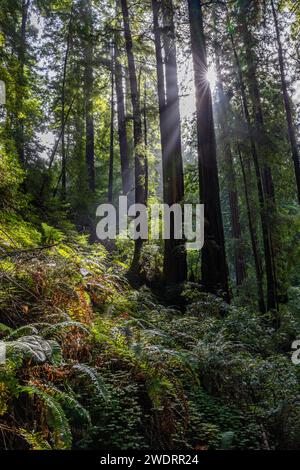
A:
5, 329
35, 440
227, 440
22, 331
56, 417
95, 378
69, 402
60, 328
51, 234
33, 348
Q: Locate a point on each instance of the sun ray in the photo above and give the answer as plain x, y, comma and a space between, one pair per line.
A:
211, 76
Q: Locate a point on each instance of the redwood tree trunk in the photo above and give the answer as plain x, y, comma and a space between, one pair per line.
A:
255, 98
146, 144
122, 133
240, 267
20, 140
112, 135
254, 239
287, 105
175, 265
261, 197
264, 177
214, 265
135, 269
63, 113
88, 87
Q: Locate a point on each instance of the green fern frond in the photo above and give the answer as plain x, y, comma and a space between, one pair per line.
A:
95, 379
5, 329
22, 331
69, 402
60, 328
33, 348
56, 417
35, 440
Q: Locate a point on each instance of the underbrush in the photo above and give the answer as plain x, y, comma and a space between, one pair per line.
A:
90, 363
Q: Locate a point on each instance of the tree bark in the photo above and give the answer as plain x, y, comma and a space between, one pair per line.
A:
145, 122
264, 179
135, 269
122, 133
255, 98
287, 104
240, 267
112, 134
214, 266
63, 104
55, 149
254, 240
160, 90
175, 265
20, 139
88, 87
261, 197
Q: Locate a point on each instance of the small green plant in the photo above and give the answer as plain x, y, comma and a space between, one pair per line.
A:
51, 235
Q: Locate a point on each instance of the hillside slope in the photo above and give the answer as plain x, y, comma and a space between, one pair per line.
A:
92, 363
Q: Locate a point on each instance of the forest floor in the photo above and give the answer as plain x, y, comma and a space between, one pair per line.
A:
92, 363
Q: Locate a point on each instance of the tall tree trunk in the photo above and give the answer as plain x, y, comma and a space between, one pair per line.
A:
254, 239
162, 104
230, 176
135, 269
112, 135
160, 90
264, 178
175, 265
271, 288
146, 143
56, 188
55, 149
214, 265
20, 140
63, 105
287, 104
255, 98
252, 229
122, 133
88, 87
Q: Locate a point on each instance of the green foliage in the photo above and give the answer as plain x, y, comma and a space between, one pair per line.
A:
103, 366
11, 177
16, 233
51, 235
35, 440
56, 417
32, 348
95, 379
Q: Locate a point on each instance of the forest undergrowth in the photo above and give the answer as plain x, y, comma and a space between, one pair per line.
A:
92, 363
